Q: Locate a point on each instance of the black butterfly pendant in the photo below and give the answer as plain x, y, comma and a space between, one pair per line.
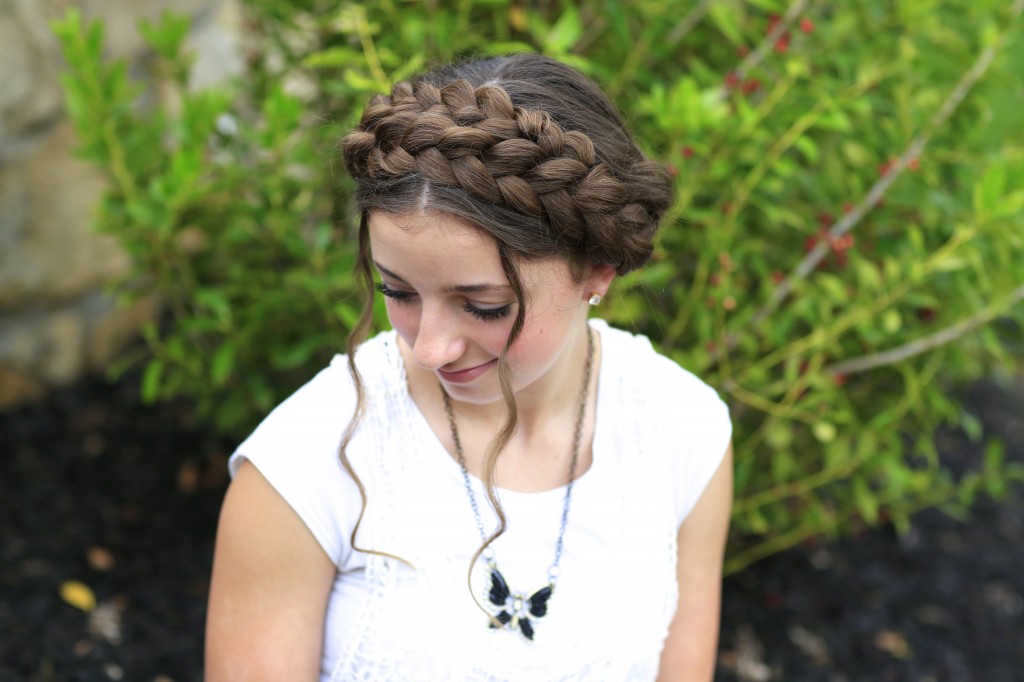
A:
516, 609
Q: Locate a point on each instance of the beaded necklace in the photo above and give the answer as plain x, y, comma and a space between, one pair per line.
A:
512, 610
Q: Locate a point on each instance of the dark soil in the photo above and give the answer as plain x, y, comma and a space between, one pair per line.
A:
123, 498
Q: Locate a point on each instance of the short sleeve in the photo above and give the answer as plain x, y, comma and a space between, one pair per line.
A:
698, 431
679, 415
296, 450
707, 440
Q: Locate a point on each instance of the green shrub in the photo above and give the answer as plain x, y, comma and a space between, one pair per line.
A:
847, 248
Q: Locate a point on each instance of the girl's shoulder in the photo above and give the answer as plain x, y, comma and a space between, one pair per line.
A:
633, 362
296, 446
672, 411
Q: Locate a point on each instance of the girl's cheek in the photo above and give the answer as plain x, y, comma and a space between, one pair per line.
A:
403, 317
533, 346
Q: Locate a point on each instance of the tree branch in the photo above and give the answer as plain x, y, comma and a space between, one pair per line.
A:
878, 190
940, 338
768, 44
688, 23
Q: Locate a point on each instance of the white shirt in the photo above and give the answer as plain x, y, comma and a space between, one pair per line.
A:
660, 435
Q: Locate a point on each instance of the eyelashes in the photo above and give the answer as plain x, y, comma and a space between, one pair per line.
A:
393, 293
484, 314
487, 314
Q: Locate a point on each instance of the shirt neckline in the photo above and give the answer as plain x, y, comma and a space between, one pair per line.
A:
436, 450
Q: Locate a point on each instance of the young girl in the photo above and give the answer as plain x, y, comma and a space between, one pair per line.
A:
500, 488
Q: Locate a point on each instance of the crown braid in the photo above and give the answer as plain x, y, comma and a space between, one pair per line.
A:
476, 139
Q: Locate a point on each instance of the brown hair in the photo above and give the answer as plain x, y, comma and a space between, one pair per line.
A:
523, 147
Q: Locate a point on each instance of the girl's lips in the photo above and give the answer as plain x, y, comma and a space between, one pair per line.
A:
466, 375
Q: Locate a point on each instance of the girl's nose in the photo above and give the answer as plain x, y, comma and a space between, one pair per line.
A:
439, 341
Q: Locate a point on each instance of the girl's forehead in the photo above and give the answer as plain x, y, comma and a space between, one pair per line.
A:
429, 222
447, 247
435, 243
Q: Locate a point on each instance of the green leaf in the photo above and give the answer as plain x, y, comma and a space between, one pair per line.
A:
971, 426
990, 188
223, 363
866, 500
726, 16
167, 36
995, 480
151, 378
892, 321
856, 154
334, 56
824, 431
566, 31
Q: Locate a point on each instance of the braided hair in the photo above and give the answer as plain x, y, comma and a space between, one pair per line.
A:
525, 140
523, 147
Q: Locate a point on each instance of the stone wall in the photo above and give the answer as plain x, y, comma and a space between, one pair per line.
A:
57, 320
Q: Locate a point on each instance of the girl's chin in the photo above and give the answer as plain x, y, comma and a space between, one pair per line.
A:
477, 393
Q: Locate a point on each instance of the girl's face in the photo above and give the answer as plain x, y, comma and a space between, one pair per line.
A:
450, 302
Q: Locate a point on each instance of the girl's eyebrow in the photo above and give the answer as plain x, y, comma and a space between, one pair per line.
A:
451, 289
475, 288
388, 272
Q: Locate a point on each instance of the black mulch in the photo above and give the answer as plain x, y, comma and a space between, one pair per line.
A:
123, 498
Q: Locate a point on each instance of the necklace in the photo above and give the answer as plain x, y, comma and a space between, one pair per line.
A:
513, 610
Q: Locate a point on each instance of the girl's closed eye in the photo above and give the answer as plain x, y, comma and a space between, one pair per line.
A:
487, 314
396, 294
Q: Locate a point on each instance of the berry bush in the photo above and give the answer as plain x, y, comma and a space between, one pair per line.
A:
846, 250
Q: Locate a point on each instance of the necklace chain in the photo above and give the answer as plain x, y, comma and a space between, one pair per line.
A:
577, 438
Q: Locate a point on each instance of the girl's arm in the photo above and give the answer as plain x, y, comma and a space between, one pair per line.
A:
269, 589
692, 644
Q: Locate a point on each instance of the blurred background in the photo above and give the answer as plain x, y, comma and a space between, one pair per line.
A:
845, 263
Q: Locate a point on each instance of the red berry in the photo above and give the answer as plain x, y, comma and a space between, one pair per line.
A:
714, 279
926, 314
843, 243
840, 379
777, 277
729, 303
773, 21
914, 165
806, 25
742, 51
847, 207
887, 167
687, 152
782, 44
751, 85
825, 219
731, 80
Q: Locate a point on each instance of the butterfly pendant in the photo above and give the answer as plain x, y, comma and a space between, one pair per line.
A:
516, 609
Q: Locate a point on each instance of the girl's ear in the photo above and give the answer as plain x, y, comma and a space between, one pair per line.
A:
597, 279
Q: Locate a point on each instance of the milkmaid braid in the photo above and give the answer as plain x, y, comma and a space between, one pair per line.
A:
524, 148
478, 140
